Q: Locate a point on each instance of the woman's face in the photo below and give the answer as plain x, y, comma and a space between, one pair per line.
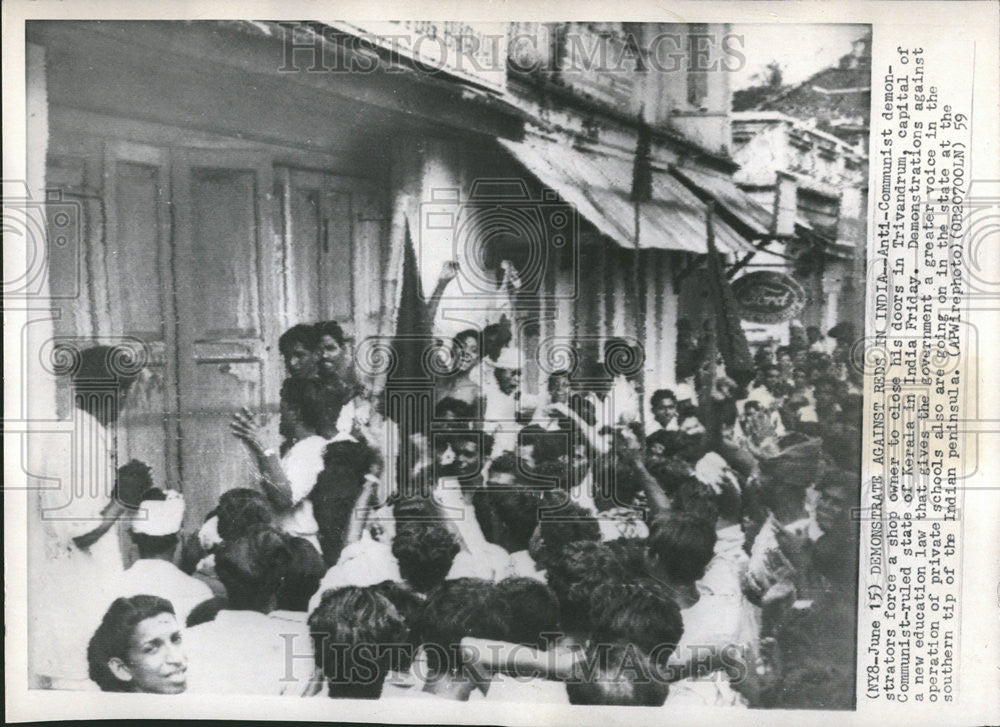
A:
155, 662
467, 353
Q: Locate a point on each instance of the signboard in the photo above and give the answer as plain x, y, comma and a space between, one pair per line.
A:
473, 51
767, 296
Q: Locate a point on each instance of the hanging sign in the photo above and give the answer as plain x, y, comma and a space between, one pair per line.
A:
767, 296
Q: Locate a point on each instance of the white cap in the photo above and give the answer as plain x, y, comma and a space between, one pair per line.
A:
162, 517
508, 359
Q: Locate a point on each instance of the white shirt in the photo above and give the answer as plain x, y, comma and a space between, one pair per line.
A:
70, 588
769, 402
653, 426
247, 652
625, 404
520, 564
507, 688
711, 690
480, 558
722, 616
363, 563
302, 465
500, 420
156, 577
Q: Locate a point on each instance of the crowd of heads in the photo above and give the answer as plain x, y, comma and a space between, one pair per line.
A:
742, 457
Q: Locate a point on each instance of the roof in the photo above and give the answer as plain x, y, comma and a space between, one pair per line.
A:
599, 184
750, 218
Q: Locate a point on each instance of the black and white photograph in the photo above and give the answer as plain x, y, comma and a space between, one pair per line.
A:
462, 360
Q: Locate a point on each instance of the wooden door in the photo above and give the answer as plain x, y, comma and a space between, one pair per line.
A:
333, 233
137, 265
224, 268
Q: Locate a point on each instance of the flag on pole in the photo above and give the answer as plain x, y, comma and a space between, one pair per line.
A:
730, 338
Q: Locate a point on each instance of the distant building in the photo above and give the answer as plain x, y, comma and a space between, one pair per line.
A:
790, 164
837, 98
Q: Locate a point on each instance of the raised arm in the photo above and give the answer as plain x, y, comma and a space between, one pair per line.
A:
629, 448
362, 508
449, 271
132, 481
502, 656
276, 486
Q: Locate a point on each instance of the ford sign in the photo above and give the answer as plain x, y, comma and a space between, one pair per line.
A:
767, 296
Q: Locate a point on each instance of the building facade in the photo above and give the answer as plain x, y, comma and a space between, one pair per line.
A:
236, 178
789, 163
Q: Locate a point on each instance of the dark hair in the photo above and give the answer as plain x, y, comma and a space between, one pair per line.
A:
303, 333
661, 394
641, 612
631, 553
331, 329
253, 566
569, 524
459, 337
425, 551
667, 439
455, 609
206, 611
505, 463
350, 628
463, 411
686, 412
575, 573
670, 473
336, 492
513, 512
495, 337
683, 543
414, 506
107, 368
150, 546
302, 577
549, 445
616, 674
560, 374
113, 637
533, 610
694, 497
622, 488
240, 509
318, 404
407, 601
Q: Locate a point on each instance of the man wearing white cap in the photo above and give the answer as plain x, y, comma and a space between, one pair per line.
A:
155, 533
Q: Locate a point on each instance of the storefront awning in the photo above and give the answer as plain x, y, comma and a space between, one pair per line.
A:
746, 214
599, 186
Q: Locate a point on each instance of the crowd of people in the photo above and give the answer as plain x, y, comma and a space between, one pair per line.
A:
561, 549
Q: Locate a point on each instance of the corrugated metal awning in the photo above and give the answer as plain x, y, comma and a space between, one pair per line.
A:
750, 217
599, 186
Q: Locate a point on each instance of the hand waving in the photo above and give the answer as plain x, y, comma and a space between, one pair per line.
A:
244, 426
